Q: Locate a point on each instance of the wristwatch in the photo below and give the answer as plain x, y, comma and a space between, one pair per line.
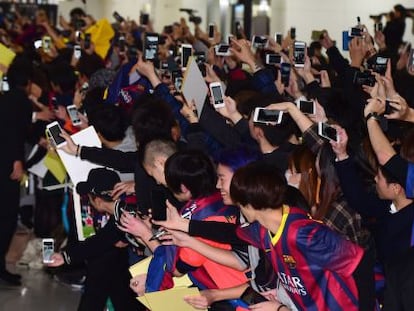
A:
373, 115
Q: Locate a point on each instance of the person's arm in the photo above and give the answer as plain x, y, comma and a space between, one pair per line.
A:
379, 142
209, 296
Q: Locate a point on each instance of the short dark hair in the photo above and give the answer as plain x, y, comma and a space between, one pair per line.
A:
259, 185
194, 170
108, 121
20, 72
237, 157
88, 64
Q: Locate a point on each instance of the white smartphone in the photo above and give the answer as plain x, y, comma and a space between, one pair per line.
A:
267, 116
217, 94
355, 32
186, 52
77, 51
306, 106
38, 44
222, 50
54, 131
46, 44
5, 87
299, 52
327, 131
74, 115
259, 42
48, 248
273, 59
211, 31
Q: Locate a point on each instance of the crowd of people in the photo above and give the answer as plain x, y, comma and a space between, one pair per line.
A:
310, 211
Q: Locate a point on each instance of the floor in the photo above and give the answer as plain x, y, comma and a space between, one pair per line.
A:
38, 292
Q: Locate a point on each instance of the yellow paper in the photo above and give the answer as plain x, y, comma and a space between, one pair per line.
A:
6, 56
171, 299
55, 166
141, 267
101, 35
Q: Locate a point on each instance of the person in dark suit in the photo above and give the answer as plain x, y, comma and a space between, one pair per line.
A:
15, 120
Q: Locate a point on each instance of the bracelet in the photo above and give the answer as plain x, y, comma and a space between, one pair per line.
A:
281, 306
373, 115
77, 151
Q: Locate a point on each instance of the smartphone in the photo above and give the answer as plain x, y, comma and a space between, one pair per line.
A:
118, 17
87, 41
54, 131
38, 44
229, 38
293, 33
48, 248
380, 65
299, 49
158, 206
267, 116
5, 87
259, 42
78, 36
151, 46
211, 31
177, 78
144, 18
306, 106
217, 93
327, 131
388, 108
77, 51
46, 44
222, 50
251, 297
355, 32
238, 27
186, 52
121, 44
378, 27
273, 59
346, 39
316, 35
73, 114
285, 73
278, 38
411, 60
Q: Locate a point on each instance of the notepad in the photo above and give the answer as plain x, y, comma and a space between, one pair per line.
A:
194, 86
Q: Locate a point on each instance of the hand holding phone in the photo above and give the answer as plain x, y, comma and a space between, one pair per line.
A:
53, 129
327, 131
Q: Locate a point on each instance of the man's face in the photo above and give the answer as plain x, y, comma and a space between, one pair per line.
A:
384, 189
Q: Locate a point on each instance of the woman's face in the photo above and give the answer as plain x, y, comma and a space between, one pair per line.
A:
224, 176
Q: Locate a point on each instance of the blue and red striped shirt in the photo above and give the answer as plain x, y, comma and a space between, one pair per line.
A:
313, 263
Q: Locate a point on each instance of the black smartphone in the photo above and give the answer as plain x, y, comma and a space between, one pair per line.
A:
87, 41
158, 205
118, 17
251, 297
121, 44
285, 73
388, 108
211, 31
293, 33
144, 19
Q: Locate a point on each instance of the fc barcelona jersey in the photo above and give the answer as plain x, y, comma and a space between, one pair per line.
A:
313, 263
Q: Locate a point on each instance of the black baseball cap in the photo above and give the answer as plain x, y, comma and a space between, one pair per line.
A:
100, 182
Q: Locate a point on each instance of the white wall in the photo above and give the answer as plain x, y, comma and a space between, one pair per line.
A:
334, 15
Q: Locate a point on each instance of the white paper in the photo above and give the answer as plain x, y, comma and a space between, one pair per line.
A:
194, 86
78, 169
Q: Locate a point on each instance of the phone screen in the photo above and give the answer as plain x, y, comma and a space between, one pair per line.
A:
299, 53
279, 38
355, 32
55, 133
267, 115
73, 114
211, 31
48, 250
77, 51
306, 106
186, 53
329, 132
285, 73
151, 47
273, 59
223, 49
345, 40
87, 42
217, 95
293, 33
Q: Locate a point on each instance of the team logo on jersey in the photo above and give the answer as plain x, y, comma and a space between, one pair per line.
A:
290, 261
